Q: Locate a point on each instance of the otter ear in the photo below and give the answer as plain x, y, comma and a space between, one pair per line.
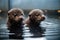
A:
42, 18
8, 14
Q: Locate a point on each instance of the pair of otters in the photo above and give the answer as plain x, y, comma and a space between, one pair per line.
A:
16, 20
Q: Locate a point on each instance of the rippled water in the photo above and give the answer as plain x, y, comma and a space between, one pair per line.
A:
51, 24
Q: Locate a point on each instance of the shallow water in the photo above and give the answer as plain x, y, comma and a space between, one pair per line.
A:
51, 24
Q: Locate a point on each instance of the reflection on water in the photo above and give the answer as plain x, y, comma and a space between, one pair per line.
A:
32, 33
39, 38
51, 24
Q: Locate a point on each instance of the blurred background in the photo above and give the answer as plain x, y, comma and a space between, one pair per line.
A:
51, 9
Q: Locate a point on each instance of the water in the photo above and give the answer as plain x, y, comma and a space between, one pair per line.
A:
51, 24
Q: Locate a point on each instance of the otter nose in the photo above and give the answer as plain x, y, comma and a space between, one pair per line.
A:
42, 18
21, 17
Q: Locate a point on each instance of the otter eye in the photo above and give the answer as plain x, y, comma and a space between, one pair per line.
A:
15, 14
29, 15
37, 15
21, 14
